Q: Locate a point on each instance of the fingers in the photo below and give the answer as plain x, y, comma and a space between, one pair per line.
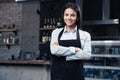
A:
55, 44
77, 49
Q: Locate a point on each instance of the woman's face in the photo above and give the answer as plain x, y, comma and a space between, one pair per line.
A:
70, 17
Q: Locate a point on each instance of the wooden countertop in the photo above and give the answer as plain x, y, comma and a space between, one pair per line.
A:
24, 62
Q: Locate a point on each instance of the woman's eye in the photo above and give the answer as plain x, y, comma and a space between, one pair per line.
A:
73, 15
66, 14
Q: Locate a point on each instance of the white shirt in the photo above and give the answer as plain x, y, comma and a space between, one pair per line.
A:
69, 52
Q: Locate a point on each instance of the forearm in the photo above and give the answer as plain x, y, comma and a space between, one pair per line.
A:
79, 55
58, 50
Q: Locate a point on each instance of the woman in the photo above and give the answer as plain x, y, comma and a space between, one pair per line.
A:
69, 46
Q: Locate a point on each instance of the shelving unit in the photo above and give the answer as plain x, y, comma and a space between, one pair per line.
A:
45, 35
105, 60
103, 26
8, 37
48, 22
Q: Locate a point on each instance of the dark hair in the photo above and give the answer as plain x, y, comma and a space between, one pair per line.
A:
76, 8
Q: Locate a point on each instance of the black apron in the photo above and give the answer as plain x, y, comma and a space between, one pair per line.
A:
67, 70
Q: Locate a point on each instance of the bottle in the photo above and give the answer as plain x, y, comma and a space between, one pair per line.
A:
51, 23
45, 23
54, 23
43, 37
49, 36
9, 37
48, 23
1, 38
59, 23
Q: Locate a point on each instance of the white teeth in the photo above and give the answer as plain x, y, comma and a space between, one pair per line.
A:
69, 21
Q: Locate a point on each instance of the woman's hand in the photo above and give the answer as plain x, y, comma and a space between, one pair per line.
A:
55, 44
77, 49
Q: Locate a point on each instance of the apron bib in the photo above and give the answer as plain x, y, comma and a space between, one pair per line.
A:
67, 70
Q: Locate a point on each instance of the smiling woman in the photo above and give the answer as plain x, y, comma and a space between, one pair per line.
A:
69, 46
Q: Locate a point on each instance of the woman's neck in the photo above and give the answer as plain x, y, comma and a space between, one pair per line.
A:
70, 28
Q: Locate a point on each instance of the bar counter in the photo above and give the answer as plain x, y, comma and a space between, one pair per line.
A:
24, 62
24, 70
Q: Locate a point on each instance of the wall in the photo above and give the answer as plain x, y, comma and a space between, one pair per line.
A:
10, 13
26, 19
30, 31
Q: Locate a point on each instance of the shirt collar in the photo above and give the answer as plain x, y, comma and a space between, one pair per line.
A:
65, 29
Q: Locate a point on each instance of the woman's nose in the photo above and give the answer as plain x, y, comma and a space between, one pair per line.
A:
69, 17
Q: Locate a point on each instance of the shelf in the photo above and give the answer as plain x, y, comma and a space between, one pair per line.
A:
101, 22
7, 30
44, 42
47, 28
105, 38
105, 55
106, 42
7, 44
94, 79
102, 67
24, 62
